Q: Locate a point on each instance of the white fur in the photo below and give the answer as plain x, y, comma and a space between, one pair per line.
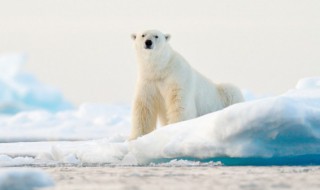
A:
169, 89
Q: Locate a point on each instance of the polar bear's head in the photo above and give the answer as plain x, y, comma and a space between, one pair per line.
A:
150, 43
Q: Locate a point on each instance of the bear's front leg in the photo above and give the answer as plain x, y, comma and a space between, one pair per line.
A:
144, 113
175, 105
180, 105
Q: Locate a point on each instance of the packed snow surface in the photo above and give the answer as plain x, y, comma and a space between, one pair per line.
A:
24, 179
186, 178
284, 130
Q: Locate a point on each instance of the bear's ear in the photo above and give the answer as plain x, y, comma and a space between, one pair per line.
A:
167, 36
133, 36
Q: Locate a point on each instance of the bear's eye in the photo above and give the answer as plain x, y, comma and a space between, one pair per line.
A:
143, 35
156, 36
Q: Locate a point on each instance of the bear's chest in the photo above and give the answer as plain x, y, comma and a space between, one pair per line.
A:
164, 88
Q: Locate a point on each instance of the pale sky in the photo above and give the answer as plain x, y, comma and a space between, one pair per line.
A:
84, 47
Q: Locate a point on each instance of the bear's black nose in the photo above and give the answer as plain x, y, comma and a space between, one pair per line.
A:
148, 43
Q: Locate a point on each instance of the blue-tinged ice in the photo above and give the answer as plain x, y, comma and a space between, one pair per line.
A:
20, 90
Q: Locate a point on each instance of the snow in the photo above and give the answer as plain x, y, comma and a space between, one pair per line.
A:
274, 129
22, 91
281, 130
24, 179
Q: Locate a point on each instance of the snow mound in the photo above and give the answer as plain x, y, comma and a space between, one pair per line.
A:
22, 91
24, 179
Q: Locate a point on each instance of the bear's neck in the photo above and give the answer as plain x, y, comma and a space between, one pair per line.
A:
156, 66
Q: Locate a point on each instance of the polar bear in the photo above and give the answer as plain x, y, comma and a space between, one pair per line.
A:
169, 89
